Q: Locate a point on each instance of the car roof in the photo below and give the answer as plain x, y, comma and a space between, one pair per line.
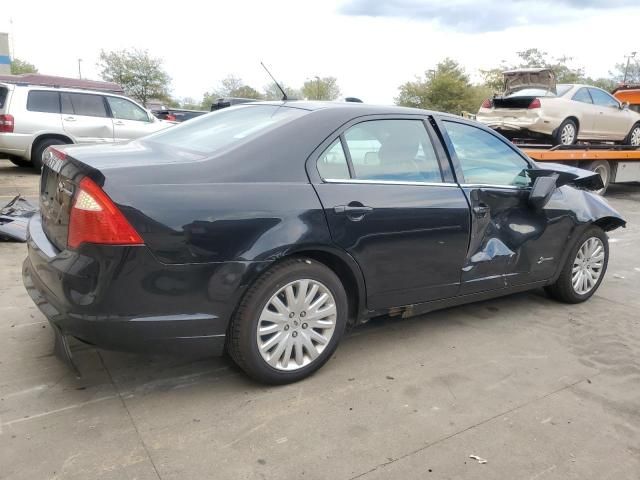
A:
62, 89
350, 107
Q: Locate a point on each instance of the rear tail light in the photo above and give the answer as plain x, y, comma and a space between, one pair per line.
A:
487, 103
96, 219
52, 156
535, 103
6, 123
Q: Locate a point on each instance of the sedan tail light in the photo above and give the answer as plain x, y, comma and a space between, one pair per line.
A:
6, 123
535, 103
96, 219
487, 103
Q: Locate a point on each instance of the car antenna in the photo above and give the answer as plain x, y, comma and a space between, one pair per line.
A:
284, 95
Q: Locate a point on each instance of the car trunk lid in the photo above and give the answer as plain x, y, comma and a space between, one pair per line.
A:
516, 80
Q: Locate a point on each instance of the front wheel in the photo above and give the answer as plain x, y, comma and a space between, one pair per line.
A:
289, 323
633, 138
584, 269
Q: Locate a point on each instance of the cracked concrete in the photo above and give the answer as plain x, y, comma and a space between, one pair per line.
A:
540, 389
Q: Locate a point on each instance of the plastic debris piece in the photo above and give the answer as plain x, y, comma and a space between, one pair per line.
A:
479, 459
14, 218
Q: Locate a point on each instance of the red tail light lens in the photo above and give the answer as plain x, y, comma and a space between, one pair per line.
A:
6, 124
487, 103
96, 219
535, 103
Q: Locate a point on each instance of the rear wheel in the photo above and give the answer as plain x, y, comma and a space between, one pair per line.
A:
37, 152
584, 269
566, 134
289, 322
603, 168
633, 138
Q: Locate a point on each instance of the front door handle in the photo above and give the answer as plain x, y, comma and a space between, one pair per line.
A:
352, 210
69, 119
119, 122
481, 210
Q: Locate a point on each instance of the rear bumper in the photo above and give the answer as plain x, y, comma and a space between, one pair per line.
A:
15, 144
535, 124
122, 298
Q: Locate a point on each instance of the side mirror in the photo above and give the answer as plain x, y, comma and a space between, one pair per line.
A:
624, 106
543, 188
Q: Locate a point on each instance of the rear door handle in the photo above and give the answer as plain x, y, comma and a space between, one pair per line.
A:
69, 119
119, 122
481, 210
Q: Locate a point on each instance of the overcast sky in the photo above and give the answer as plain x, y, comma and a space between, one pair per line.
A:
371, 46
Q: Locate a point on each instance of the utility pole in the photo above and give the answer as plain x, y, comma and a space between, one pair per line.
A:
317, 87
626, 69
79, 69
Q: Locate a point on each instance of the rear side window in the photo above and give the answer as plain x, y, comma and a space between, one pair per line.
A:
392, 150
83, 104
3, 96
43, 101
225, 128
332, 164
583, 96
485, 159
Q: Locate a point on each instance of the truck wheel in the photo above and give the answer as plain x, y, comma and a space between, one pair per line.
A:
633, 138
38, 151
584, 269
604, 169
289, 322
566, 134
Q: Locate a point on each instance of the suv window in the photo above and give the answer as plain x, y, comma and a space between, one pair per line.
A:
485, 159
332, 164
392, 150
126, 110
603, 98
83, 104
43, 101
3, 96
583, 96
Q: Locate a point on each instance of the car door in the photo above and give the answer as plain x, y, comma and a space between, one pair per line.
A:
612, 122
130, 120
85, 117
511, 243
587, 112
390, 202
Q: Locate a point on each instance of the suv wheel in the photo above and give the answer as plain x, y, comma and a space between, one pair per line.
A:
289, 322
39, 148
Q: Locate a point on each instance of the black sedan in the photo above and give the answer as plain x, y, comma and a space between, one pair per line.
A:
266, 229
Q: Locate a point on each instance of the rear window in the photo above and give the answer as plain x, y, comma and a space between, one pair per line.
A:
43, 101
562, 89
225, 128
3, 96
532, 92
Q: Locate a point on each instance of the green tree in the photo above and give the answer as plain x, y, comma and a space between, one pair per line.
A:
20, 66
230, 86
317, 88
272, 92
446, 89
633, 71
140, 75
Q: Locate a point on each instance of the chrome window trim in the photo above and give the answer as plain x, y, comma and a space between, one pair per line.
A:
388, 182
489, 185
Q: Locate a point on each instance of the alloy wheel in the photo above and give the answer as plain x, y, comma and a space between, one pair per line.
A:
568, 134
587, 266
296, 324
635, 137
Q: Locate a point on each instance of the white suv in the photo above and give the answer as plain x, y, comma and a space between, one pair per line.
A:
35, 117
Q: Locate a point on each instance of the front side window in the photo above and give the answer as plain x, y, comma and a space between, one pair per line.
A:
332, 164
603, 99
125, 110
485, 159
43, 101
583, 96
83, 104
392, 150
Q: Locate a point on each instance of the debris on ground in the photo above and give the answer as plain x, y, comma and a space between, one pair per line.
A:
14, 217
479, 459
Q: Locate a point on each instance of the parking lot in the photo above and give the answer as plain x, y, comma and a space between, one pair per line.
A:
537, 388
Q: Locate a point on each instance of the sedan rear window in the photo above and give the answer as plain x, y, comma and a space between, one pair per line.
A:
224, 128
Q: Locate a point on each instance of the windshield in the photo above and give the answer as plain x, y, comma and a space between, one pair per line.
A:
224, 128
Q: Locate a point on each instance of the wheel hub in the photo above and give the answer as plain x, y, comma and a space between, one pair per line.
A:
587, 266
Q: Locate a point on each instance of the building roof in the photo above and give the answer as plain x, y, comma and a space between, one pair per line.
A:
63, 82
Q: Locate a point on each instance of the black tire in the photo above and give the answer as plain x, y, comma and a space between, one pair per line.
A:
242, 336
604, 169
557, 136
20, 162
563, 289
38, 151
634, 136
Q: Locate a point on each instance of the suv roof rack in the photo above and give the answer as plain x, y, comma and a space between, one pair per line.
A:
36, 79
